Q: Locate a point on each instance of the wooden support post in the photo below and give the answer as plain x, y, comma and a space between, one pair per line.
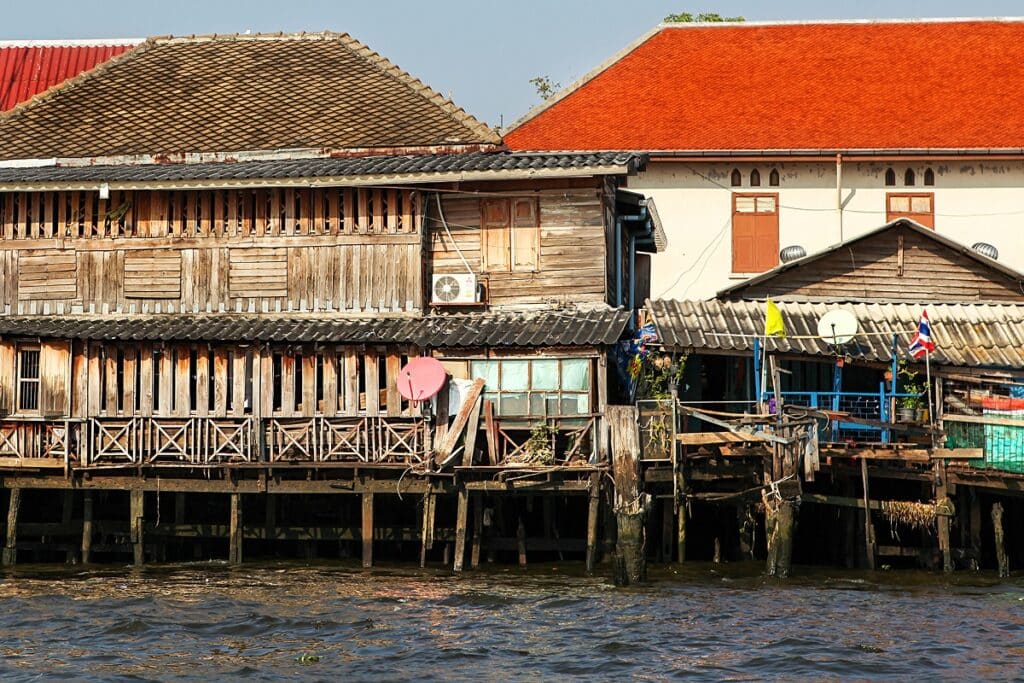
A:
593, 510
10, 554
461, 518
478, 531
427, 535
780, 513
367, 530
745, 531
630, 503
1002, 560
235, 534
87, 513
136, 526
67, 512
869, 527
521, 542
942, 523
975, 526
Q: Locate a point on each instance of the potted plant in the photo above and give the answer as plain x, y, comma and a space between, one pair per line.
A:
909, 408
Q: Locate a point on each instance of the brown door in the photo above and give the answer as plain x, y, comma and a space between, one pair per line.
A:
755, 232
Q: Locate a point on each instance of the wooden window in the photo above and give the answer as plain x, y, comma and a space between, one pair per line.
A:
28, 379
890, 177
737, 178
919, 207
509, 234
773, 178
258, 273
755, 232
152, 275
929, 177
755, 178
536, 388
909, 178
47, 275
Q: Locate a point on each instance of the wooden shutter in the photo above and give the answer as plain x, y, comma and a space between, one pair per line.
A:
525, 234
47, 275
755, 233
257, 273
495, 246
54, 378
917, 207
8, 377
152, 275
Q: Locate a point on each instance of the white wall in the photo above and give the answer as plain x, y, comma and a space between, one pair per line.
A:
974, 201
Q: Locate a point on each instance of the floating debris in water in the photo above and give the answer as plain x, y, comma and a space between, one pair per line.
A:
306, 659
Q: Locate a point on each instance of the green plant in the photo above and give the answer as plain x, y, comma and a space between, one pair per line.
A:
688, 18
656, 374
545, 86
910, 385
537, 448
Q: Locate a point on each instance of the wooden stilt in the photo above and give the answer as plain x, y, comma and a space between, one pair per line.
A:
235, 534
10, 554
630, 503
592, 512
367, 530
942, 523
668, 529
1002, 560
478, 531
746, 542
974, 514
869, 527
67, 513
427, 534
87, 512
716, 555
136, 526
461, 519
521, 542
681, 533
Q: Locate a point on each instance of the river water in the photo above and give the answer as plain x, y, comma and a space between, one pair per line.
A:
330, 622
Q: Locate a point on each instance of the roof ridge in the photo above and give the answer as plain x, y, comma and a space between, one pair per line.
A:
70, 42
827, 22
388, 67
71, 83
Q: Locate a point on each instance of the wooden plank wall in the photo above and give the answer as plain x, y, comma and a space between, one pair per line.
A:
184, 380
209, 251
571, 266
898, 264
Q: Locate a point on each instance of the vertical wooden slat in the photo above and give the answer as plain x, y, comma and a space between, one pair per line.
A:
128, 387
330, 391
111, 383
334, 210
261, 212
392, 217
93, 352
407, 225
372, 382
202, 381
146, 380
166, 381
308, 383
183, 382
394, 399
287, 384
79, 380
378, 211
349, 209
220, 381
33, 215
239, 380
351, 381
318, 198
265, 370
232, 208
363, 208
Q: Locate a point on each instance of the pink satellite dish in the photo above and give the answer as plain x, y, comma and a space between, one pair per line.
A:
421, 378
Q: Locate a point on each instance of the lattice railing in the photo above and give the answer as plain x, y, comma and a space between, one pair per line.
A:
187, 440
345, 439
569, 438
38, 439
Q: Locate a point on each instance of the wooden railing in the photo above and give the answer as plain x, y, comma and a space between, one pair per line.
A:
341, 439
37, 442
149, 440
569, 438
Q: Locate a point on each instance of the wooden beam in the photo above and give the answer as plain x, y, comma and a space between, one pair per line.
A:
1002, 560
10, 554
869, 527
135, 521
461, 517
235, 533
593, 509
445, 447
478, 531
87, 523
367, 535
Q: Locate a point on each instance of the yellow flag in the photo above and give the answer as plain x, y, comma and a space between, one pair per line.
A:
773, 324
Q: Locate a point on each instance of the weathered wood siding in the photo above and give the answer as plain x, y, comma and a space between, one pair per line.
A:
571, 266
252, 250
877, 267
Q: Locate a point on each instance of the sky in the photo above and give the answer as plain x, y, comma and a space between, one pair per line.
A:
482, 53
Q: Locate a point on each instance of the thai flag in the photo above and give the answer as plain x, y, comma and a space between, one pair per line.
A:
922, 342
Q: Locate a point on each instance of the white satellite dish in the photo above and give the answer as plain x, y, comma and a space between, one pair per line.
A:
838, 326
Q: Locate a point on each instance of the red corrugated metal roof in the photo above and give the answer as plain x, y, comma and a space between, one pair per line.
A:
30, 68
956, 84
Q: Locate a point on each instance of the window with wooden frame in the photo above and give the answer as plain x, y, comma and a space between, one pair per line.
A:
536, 387
755, 232
917, 206
28, 379
509, 234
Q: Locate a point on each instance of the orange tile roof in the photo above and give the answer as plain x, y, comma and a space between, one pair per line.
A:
31, 67
239, 93
956, 84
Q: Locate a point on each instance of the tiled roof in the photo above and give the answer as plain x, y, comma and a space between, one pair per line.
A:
237, 93
966, 335
325, 167
28, 68
919, 85
506, 329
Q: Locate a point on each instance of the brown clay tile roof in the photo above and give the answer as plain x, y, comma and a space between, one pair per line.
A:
237, 93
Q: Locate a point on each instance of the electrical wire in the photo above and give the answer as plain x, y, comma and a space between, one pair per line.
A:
440, 213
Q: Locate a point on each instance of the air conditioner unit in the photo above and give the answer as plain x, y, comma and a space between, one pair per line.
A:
454, 289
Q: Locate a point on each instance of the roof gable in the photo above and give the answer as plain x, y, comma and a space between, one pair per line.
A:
172, 96
900, 261
28, 68
807, 86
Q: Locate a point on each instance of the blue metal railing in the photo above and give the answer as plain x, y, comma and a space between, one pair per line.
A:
867, 405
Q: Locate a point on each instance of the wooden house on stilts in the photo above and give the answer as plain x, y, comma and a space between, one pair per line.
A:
218, 253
